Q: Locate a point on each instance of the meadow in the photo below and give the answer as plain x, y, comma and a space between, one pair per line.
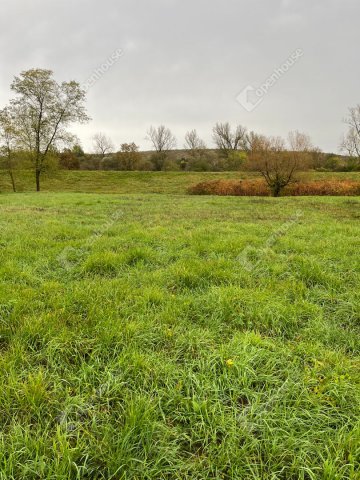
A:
100, 181
149, 334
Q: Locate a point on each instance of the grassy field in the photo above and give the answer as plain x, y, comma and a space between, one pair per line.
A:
139, 182
148, 336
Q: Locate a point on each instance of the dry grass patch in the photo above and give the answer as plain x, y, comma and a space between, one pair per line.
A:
243, 188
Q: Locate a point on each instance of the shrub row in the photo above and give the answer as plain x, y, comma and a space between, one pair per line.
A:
259, 188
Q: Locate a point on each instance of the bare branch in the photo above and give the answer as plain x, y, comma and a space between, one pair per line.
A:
161, 138
102, 144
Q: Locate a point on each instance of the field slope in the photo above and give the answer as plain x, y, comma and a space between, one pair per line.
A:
100, 181
153, 336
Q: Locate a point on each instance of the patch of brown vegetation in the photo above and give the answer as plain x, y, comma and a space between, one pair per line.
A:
253, 188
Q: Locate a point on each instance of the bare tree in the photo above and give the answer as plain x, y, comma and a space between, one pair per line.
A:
351, 141
161, 138
42, 111
8, 142
228, 140
193, 142
302, 149
278, 167
102, 144
252, 139
198, 155
300, 142
162, 141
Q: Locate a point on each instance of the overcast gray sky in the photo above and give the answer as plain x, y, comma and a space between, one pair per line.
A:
185, 62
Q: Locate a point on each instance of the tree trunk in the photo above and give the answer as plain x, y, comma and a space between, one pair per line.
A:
37, 177
276, 190
10, 169
12, 180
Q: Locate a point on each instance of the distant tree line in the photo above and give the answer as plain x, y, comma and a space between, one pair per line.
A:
34, 135
234, 149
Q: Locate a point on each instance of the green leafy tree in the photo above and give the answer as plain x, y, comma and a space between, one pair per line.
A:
43, 110
78, 151
129, 156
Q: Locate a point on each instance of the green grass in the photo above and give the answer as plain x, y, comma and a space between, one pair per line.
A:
129, 182
136, 344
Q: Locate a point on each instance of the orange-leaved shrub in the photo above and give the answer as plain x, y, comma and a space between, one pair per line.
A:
253, 188
231, 187
324, 187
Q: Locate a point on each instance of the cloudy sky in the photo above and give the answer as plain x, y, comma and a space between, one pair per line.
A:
190, 63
